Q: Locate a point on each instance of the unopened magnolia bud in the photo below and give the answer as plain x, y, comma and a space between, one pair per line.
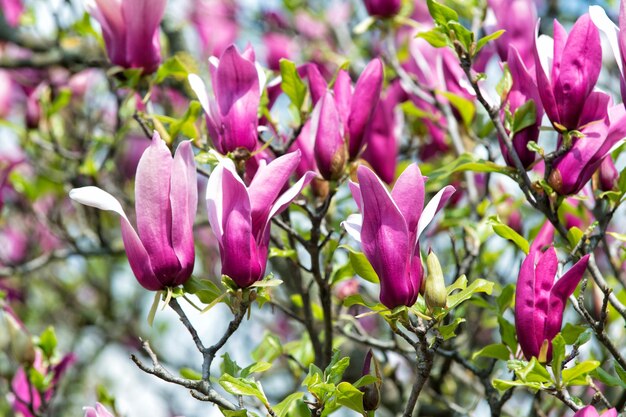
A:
435, 292
371, 392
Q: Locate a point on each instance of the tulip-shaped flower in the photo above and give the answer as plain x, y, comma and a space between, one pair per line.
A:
98, 411
523, 89
131, 31
232, 117
539, 301
381, 136
608, 175
331, 150
616, 36
383, 8
515, 17
576, 167
166, 198
356, 107
240, 216
389, 229
590, 411
567, 69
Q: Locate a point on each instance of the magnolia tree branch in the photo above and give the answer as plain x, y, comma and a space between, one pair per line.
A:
199, 389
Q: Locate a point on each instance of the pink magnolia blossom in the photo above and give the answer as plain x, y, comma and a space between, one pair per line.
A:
567, 69
389, 229
131, 31
540, 302
232, 117
166, 198
240, 215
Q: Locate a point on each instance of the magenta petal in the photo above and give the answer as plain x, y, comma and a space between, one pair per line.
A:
330, 147
579, 70
544, 238
237, 247
385, 240
408, 193
610, 413
355, 189
142, 19
153, 208
544, 86
432, 208
238, 95
545, 271
109, 15
138, 258
266, 186
317, 84
184, 201
588, 411
343, 95
525, 308
364, 101
559, 294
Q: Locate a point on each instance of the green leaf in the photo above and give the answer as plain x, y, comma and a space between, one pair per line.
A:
365, 380
467, 162
573, 375
337, 366
448, 331
463, 34
190, 374
504, 385
525, 116
178, 67
534, 372
255, 367
234, 413
477, 286
495, 351
362, 267
572, 332
441, 14
505, 299
282, 408
229, 366
507, 333
269, 349
410, 109
350, 397
620, 372
607, 379
271, 282
506, 232
466, 108
574, 235
435, 37
61, 101
292, 85
245, 387
282, 253
558, 355
483, 41
206, 291
48, 342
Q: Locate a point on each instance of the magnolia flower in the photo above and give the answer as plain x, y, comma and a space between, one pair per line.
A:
567, 69
131, 31
576, 167
24, 397
354, 106
382, 134
389, 229
608, 175
590, 411
240, 215
232, 117
523, 89
98, 411
539, 301
383, 8
166, 198
330, 150
514, 17
616, 36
